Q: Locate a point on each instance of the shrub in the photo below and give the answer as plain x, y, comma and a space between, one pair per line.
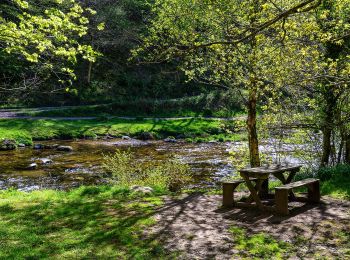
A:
126, 171
327, 173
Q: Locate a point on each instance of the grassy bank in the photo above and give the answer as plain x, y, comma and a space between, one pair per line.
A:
214, 104
89, 222
25, 130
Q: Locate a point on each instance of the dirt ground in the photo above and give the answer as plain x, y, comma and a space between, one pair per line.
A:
197, 226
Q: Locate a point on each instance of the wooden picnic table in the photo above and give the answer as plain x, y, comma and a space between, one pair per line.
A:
261, 175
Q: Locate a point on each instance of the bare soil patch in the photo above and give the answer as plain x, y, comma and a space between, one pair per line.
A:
197, 226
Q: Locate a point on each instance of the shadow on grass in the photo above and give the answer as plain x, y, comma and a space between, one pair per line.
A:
84, 224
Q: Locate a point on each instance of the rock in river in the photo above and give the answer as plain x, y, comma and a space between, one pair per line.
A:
32, 166
65, 148
45, 146
45, 161
38, 146
7, 144
170, 139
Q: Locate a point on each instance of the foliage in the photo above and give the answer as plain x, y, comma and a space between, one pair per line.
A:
46, 34
335, 181
126, 171
88, 222
338, 171
246, 46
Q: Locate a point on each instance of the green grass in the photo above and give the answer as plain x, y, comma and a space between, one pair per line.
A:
334, 181
26, 130
85, 223
213, 104
260, 245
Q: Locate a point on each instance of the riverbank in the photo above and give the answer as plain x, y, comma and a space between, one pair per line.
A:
112, 222
194, 129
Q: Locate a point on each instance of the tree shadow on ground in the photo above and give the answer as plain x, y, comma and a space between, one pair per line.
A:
198, 226
78, 227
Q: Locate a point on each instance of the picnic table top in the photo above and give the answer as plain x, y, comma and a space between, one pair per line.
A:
271, 169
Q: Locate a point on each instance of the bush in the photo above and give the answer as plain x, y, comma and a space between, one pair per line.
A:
126, 171
328, 173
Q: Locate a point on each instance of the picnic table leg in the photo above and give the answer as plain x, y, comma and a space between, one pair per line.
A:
313, 191
257, 187
281, 200
264, 189
228, 190
284, 181
253, 192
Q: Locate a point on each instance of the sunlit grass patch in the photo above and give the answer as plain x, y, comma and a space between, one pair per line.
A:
88, 222
259, 245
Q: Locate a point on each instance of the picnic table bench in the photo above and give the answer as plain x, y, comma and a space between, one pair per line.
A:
282, 193
259, 190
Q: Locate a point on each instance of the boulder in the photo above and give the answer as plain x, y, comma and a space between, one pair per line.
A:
64, 148
7, 144
21, 145
146, 136
32, 166
125, 137
140, 189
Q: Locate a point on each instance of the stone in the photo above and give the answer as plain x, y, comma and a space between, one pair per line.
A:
170, 139
146, 136
38, 146
181, 136
32, 166
140, 189
21, 145
7, 145
45, 146
64, 148
125, 137
50, 146
46, 161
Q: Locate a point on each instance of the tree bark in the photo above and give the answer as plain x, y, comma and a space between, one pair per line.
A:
252, 132
347, 149
88, 76
328, 124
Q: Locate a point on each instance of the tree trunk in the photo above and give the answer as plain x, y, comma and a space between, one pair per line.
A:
252, 133
328, 124
88, 76
347, 149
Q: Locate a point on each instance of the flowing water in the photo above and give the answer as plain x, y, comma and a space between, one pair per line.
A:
83, 166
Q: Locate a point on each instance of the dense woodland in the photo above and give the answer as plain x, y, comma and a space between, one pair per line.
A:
111, 76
